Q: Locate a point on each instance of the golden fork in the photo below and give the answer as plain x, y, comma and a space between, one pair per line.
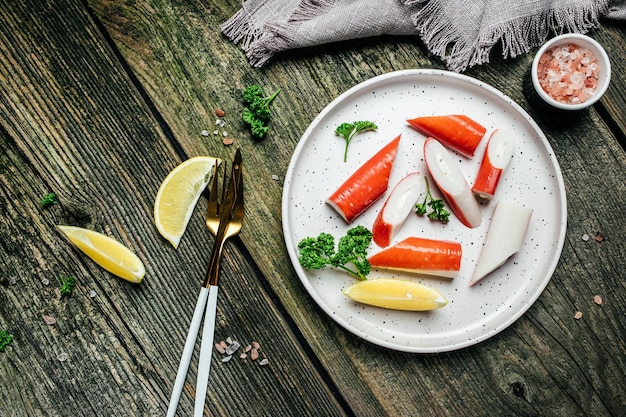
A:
224, 220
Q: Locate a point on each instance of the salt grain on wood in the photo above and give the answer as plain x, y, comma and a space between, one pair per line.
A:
254, 354
49, 320
578, 315
219, 348
227, 358
265, 361
597, 299
232, 348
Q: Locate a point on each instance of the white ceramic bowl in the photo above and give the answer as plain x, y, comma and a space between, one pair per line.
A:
585, 42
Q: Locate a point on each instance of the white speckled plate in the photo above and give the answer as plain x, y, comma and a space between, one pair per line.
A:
532, 179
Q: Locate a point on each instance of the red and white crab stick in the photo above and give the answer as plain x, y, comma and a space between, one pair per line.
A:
418, 255
497, 156
456, 131
452, 183
366, 185
505, 237
397, 208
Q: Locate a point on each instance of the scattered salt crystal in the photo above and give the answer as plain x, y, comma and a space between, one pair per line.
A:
12, 280
597, 299
247, 349
599, 237
275, 177
205, 133
243, 355
216, 132
92, 293
229, 340
45, 281
578, 315
227, 358
218, 122
254, 354
219, 348
223, 344
49, 320
585, 237
228, 141
224, 133
256, 345
232, 348
62, 357
264, 362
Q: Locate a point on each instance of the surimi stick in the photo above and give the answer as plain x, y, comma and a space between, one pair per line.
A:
452, 183
504, 238
398, 206
455, 131
497, 156
423, 256
366, 185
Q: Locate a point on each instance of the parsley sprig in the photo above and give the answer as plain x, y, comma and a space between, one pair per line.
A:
349, 130
257, 114
49, 200
438, 211
316, 253
5, 339
67, 285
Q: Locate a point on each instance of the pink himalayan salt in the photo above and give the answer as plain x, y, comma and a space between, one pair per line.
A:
568, 73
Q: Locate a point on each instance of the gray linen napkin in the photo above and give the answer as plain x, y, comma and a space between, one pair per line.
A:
463, 33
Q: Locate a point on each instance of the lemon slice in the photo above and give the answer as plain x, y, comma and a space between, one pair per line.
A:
179, 194
396, 294
106, 252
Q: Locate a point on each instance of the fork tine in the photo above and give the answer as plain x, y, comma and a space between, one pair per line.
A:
212, 218
213, 191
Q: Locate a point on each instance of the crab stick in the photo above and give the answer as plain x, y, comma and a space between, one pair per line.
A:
455, 131
497, 156
418, 255
397, 208
366, 185
452, 183
505, 237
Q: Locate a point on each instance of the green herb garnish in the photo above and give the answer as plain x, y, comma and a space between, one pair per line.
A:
257, 114
438, 211
316, 253
49, 200
67, 285
5, 339
350, 130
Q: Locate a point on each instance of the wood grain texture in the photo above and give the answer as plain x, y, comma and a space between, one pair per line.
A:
101, 99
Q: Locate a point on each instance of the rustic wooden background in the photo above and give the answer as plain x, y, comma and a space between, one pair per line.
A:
101, 99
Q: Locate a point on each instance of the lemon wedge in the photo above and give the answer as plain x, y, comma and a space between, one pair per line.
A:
179, 194
106, 252
396, 294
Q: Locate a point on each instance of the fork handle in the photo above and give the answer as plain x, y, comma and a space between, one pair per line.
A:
187, 351
214, 261
206, 352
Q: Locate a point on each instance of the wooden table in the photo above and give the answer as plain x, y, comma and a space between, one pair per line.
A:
101, 99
